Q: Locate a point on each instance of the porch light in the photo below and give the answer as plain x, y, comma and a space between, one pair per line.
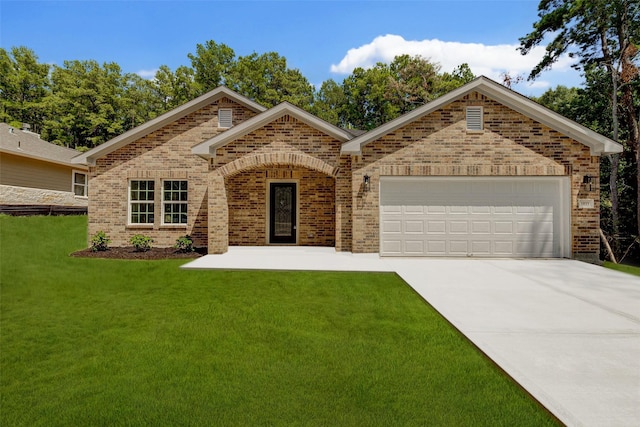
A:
587, 179
366, 181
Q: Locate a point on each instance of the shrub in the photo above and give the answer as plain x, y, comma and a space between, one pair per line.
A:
141, 243
184, 244
100, 242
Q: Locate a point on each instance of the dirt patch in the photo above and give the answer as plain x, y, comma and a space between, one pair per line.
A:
130, 253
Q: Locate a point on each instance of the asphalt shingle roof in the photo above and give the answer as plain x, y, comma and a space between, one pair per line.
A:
29, 144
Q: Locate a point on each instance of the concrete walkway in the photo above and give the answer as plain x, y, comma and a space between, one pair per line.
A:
567, 331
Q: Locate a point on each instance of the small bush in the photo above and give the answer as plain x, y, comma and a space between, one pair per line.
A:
141, 243
100, 242
184, 244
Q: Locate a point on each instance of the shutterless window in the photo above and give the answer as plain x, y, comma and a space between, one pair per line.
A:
474, 118
80, 184
174, 202
141, 201
225, 117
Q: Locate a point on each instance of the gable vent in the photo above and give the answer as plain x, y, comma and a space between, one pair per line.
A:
474, 118
225, 118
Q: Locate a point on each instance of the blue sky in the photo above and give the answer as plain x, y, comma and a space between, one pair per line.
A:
323, 39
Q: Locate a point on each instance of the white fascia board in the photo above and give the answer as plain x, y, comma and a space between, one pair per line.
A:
207, 148
152, 125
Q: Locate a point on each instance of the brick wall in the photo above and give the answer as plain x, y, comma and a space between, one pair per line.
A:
163, 154
302, 153
247, 195
510, 145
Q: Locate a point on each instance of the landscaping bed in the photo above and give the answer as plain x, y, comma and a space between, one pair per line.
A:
131, 253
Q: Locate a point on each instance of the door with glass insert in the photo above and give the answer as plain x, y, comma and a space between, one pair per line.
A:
282, 212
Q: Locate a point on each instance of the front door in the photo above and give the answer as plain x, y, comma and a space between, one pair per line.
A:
282, 212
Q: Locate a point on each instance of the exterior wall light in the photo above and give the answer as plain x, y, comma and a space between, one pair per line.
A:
366, 182
587, 179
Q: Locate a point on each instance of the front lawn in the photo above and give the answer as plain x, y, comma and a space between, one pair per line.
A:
106, 342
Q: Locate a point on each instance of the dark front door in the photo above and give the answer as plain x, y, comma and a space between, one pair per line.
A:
282, 215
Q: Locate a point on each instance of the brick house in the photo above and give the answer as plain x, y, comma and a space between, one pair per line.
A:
481, 171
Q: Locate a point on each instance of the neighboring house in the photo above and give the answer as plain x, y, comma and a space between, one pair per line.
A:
481, 171
35, 174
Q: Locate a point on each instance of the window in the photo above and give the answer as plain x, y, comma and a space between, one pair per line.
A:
174, 202
80, 184
141, 202
225, 118
474, 118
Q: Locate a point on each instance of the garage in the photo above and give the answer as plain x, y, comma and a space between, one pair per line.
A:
506, 217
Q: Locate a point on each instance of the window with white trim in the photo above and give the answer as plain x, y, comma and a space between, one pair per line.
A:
141, 201
474, 118
225, 117
174, 202
80, 184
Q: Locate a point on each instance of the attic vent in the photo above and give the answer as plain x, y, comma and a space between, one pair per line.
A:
225, 118
474, 118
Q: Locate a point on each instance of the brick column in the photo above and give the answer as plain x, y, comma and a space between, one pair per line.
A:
218, 215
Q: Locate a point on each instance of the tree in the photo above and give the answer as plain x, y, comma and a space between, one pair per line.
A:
601, 33
174, 89
328, 103
85, 104
267, 80
211, 64
23, 86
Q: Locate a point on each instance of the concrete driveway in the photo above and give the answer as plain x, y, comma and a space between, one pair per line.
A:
566, 331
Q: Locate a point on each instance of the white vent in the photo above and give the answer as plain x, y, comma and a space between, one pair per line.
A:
474, 118
225, 118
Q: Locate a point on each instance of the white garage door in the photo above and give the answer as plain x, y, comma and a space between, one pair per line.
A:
483, 217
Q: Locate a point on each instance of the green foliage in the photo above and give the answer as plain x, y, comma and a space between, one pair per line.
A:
141, 243
184, 244
23, 86
268, 80
165, 346
211, 64
100, 242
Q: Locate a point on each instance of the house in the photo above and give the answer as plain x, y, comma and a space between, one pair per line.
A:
37, 176
481, 171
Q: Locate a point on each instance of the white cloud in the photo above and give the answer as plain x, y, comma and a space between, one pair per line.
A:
488, 60
147, 74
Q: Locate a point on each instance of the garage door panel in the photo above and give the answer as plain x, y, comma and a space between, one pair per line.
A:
391, 226
503, 247
436, 247
481, 227
503, 227
502, 217
414, 227
481, 247
391, 247
459, 247
458, 227
414, 247
436, 227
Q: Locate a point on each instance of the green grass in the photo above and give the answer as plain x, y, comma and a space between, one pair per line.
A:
106, 342
624, 268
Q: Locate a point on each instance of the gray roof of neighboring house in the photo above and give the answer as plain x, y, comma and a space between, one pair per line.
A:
29, 144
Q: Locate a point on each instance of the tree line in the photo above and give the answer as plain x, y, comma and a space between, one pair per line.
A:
81, 104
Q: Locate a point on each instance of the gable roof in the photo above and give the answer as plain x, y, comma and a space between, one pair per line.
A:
29, 144
207, 148
598, 144
164, 119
